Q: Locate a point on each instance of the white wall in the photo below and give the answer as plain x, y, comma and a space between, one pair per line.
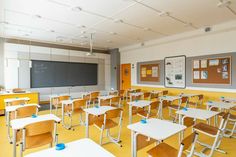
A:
1, 63
17, 67
220, 40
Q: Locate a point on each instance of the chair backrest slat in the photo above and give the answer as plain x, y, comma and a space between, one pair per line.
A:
40, 128
26, 111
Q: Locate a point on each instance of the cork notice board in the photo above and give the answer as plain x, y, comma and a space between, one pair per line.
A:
212, 70
150, 72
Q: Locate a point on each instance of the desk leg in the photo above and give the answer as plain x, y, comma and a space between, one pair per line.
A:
87, 125
130, 114
63, 123
181, 134
133, 144
50, 106
160, 110
14, 142
8, 126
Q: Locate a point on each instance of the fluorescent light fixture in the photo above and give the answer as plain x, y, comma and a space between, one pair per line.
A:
83, 32
77, 8
188, 24
81, 26
147, 29
83, 36
113, 33
164, 14
224, 3
118, 21
37, 16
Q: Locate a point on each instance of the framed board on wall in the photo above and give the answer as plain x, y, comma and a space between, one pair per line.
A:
175, 72
212, 70
150, 72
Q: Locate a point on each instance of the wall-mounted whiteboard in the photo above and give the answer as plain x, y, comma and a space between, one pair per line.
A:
175, 72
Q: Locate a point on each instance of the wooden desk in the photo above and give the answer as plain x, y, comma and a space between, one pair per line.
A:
33, 96
18, 124
96, 112
154, 128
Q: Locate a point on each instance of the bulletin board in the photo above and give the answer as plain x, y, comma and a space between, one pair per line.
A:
212, 70
175, 72
150, 72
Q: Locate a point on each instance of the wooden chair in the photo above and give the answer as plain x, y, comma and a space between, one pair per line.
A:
154, 96
60, 98
195, 101
76, 107
151, 112
18, 102
188, 122
214, 132
22, 112
165, 150
138, 90
165, 92
18, 90
116, 102
38, 134
135, 98
147, 96
121, 94
114, 93
108, 122
106, 102
180, 104
94, 98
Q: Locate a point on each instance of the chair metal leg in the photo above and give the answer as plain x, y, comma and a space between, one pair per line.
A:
101, 136
21, 149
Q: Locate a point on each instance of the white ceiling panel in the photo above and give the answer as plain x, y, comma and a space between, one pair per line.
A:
72, 21
199, 12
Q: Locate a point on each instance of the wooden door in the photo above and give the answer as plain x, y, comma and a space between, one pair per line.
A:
125, 76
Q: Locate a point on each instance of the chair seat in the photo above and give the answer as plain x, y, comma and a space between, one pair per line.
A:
142, 113
164, 150
38, 140
109, 123
202, 127
232, 117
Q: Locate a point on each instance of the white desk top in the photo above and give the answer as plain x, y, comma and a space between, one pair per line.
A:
140, 103
221, 105
136, 94
14, 99
157, 129
99, 111
197, 113
14, 108
80, 148
22, 122
170, 98
106, 97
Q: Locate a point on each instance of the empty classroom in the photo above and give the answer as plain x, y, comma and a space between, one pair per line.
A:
117, 78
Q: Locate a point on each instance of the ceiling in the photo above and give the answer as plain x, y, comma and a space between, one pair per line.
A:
114, 23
